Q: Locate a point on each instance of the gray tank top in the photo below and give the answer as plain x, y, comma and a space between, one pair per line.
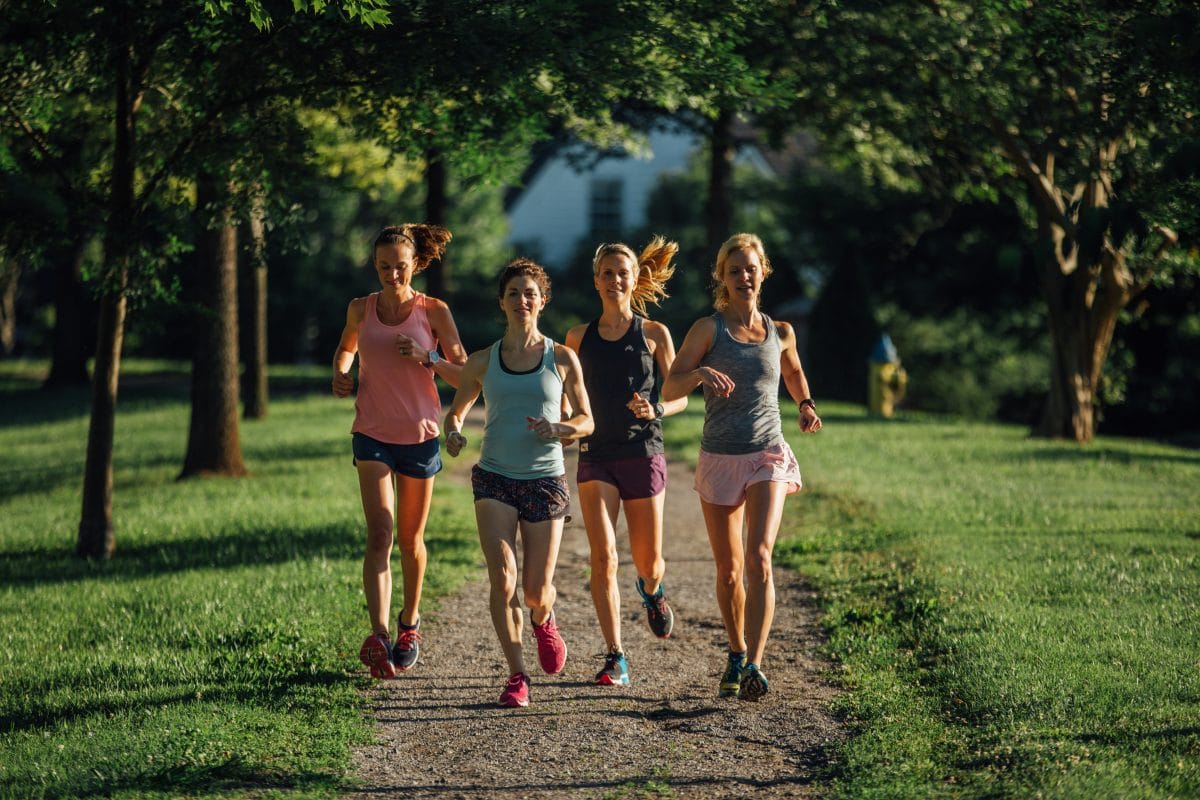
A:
748, 420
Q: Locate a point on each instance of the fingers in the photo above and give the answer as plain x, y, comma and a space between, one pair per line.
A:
542, 427
455, 442
640, 407
718, 382
342, 384
406, 347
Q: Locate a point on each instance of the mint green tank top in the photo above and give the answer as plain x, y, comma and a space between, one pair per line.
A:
509, 447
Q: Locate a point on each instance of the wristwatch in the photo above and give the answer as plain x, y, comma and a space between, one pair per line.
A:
659, 410
433, 358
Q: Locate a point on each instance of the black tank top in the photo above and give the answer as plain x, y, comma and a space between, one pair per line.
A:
612, 372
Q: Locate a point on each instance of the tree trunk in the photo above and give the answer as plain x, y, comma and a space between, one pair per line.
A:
10, 275
214, 446
1084, 300
719, 208
437, 275
255, 378
96, 536
68, 361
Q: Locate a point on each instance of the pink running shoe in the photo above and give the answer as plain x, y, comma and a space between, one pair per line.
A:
516, 691
552, 650
376, 653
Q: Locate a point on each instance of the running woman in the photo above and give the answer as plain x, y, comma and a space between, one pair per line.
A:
621, 465
520, 483
395, 334
746, 467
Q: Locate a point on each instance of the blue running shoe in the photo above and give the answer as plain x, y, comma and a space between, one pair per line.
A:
754, 683
615, 672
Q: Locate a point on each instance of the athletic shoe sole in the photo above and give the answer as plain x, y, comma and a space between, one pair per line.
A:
374, 654
608, 680
754, 686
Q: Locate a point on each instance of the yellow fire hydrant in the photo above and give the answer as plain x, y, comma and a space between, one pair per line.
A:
886, 379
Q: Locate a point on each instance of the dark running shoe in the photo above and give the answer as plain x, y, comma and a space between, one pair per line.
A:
754, 683
731, 681
407, 646
516, 691
659, 615
615, 672
552, 650
376, 653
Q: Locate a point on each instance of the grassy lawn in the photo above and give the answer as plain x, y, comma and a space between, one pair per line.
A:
216, 654
1012, 617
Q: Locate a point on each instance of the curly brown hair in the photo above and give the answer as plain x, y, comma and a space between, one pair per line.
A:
524, 266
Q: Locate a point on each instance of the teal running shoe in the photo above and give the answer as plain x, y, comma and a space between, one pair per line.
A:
659, 615
731, 681
615, 672
754, 683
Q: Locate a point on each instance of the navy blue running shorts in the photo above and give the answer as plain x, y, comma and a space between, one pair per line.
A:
422, 460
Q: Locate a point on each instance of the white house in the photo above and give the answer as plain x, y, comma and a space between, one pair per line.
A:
561, 205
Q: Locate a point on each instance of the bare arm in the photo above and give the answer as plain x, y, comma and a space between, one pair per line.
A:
450, 367
664, 355
580, 423
470, 384
794, 379
686, 372
343, 356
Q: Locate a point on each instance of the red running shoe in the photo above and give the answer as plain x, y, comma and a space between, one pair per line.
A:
552, 650
516, 691
376, 653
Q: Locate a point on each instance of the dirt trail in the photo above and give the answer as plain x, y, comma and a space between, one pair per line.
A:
667, 734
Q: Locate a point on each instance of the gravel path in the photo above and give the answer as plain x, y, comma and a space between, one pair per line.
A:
667, 734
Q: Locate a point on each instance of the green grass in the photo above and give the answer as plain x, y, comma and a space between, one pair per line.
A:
1012, 617
216, 653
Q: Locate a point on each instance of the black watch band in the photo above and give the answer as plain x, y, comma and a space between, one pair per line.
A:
659, 410
808, 401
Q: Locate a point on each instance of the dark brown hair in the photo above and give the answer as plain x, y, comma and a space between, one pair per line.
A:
428, 241
524, 266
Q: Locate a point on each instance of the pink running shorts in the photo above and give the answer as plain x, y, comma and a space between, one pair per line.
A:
722, 479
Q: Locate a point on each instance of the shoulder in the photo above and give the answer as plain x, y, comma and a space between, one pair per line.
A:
565, 356
656, 331
435, 306
357, 309
575, 335
478, 360
785, 331
705, 326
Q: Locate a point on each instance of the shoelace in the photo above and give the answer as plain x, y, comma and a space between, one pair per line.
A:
405, 638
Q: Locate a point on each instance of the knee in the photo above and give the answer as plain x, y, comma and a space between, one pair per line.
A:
414, 546
504, 580
379, 538
758, 565
604, 564
729, 576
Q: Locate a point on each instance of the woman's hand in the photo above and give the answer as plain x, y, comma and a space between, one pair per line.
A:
641, 407
718, 382
343, 384
809, 421
455, 442
543, 428
408, 348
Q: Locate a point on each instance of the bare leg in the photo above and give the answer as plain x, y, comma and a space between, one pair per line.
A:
599, 503
412, 511
376, 486
724, 525
498, 538
540, 541
764, 511
644, 517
